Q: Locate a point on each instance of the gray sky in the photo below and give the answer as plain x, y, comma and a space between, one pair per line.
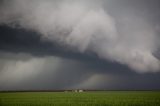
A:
79, 44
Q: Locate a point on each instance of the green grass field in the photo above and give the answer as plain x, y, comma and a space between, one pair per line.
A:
108, 98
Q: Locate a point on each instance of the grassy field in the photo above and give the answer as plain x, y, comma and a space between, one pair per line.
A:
108, 98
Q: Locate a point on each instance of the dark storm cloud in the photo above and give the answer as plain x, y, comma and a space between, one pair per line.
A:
22, 41
37, 54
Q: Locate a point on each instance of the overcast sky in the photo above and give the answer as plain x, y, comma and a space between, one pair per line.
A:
79, 44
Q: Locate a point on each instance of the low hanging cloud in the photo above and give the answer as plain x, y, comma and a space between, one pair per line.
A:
86, 26
24, 71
